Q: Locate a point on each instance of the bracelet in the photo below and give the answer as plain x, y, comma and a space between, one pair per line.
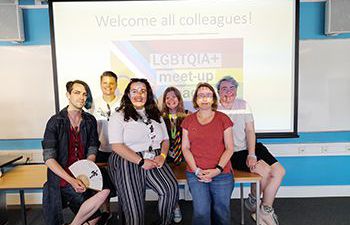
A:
141, 162
163, 154
198, 170
252, 155
219, 167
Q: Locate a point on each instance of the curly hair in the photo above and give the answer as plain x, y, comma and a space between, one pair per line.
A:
126, 106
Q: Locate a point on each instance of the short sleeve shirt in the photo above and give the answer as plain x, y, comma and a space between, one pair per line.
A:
240, 114
102, 113
207, 141
136, 134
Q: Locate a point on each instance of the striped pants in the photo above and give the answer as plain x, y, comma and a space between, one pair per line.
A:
131, 181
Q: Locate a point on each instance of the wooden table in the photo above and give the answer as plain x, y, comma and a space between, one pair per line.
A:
7, 160
21, 178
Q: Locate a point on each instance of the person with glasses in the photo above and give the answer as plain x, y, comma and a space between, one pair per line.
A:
102, 108
140, 143
70, 135
207, 146
249, 155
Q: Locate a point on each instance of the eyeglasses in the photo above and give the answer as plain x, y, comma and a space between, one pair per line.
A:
205, 96
134, 92
227, 89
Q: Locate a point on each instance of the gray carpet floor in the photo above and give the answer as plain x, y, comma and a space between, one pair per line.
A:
290, 211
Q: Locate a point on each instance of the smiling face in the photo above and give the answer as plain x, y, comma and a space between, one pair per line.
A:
227, 92
108, 86
138, 95
77, 97
204, 98
171, 101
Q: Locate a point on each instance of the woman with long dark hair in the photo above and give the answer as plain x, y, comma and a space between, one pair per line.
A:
140, 145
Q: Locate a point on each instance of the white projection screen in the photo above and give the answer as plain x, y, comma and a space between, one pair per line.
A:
181, 43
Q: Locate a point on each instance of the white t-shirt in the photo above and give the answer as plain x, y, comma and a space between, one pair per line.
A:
100, 110
136, 134
240, 114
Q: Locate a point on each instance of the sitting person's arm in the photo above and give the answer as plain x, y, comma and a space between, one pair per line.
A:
50, 152
125, 152
251, 139
59, 171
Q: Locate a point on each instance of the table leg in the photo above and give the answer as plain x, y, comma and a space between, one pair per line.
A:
257, 194
3, 208
23, 207
187, 192
242, 202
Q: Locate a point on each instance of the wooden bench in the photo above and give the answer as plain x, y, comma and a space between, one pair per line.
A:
240, 177
30, 177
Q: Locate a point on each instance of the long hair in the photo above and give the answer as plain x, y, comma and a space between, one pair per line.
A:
126, 106
180, 107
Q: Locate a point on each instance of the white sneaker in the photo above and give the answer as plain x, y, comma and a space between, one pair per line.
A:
177, 215
267, 216
250, 203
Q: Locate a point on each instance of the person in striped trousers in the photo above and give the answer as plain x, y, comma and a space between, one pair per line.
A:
140, 145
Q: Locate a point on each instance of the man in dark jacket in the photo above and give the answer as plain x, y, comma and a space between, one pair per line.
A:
70, 135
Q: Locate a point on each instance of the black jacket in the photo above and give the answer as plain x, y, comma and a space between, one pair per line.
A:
55, 145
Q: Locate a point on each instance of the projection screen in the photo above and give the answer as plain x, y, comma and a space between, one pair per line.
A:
182, 43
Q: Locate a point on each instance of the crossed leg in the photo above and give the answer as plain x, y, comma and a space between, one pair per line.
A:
89, 207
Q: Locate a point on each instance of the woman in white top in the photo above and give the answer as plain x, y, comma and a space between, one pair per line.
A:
140, 143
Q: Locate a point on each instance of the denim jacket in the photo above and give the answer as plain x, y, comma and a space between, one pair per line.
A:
55, 145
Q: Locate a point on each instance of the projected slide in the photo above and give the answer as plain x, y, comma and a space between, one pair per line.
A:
180, 63
182, 43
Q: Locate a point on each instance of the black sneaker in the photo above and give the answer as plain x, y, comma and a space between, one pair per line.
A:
104, 219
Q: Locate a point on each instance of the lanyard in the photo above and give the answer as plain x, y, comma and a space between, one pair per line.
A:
152, 134
172, 118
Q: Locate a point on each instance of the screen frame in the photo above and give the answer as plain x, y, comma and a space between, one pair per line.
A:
292, 134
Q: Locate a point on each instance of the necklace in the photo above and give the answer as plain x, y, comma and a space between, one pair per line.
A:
75, 119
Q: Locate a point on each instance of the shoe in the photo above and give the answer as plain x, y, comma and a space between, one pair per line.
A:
177, 215
250, 203
268, 216
104, 219
253, 215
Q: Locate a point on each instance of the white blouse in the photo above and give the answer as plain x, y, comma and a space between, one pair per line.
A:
136, 135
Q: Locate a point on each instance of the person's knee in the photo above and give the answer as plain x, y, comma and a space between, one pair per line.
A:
103, 194
202, 210
169, 190
278, 171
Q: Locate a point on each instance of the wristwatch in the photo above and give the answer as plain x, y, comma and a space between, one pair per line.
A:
220, 168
